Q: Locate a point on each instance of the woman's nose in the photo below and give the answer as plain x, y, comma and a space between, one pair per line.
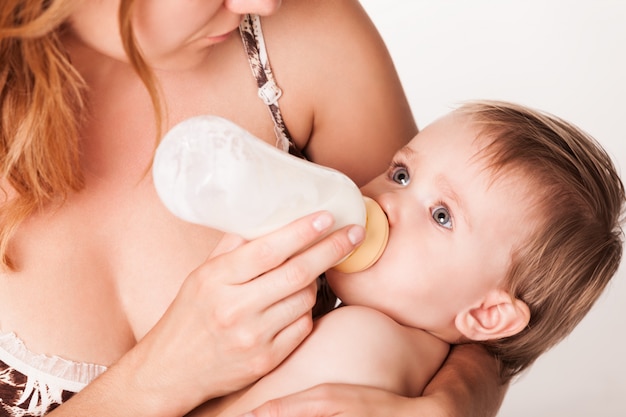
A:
260, 7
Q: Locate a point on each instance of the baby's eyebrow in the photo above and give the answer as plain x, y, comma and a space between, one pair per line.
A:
406, 153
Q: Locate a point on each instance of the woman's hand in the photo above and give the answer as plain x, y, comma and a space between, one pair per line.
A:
243, 311
339, 400
336, 400
466, 386
235, 318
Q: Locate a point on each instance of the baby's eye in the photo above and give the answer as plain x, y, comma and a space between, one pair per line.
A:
400, 175
442, 216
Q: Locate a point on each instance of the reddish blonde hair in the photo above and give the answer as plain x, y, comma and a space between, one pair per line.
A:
42, 106
577, 245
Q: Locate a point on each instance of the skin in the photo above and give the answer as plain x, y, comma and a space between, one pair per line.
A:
445, 210
129, 286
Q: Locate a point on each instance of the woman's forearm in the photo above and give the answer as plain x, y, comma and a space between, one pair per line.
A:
121, 391
468, 384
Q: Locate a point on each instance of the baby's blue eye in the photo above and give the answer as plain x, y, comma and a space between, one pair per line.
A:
442, 216
401, 175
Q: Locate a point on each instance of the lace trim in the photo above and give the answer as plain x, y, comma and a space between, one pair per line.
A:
50, 370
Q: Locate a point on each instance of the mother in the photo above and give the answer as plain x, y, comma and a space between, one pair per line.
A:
152, 316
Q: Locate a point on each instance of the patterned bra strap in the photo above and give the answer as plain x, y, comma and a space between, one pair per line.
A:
269, 92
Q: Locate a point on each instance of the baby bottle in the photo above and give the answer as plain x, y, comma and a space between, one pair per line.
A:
209, 171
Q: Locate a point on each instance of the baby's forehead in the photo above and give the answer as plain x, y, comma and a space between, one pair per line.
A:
479, 149
454, 131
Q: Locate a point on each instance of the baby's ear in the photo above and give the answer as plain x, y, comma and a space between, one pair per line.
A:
498, 316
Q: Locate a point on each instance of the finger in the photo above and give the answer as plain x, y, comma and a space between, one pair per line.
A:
302, 269
308, 403
227, 243
289, 338
267, 252
336, 400
295, 292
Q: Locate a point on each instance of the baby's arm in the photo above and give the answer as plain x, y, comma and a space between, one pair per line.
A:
351, 345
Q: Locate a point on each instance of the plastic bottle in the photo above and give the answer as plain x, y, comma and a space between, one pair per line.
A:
209, 171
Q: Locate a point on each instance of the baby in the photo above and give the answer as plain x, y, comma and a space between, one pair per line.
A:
505, 227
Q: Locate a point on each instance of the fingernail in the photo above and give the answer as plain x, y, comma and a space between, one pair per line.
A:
356, 234
321, 223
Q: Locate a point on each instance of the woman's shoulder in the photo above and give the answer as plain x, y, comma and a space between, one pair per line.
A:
326, 55
333, 25
311, 8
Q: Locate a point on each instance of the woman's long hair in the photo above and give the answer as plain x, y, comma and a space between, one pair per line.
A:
42, 106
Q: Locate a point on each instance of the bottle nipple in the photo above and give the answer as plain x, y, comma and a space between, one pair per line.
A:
373, 246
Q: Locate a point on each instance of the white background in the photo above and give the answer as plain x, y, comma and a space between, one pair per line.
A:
566, 57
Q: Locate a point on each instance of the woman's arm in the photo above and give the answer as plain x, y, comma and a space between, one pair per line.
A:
234, 319
349, 345
342, 98
466, 386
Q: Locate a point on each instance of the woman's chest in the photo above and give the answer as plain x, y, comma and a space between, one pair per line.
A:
96, 274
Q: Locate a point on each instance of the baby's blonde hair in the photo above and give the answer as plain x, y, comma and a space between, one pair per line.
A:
577, 245
42, 106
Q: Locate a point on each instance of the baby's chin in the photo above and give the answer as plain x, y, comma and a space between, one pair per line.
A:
334, 277
347, 286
